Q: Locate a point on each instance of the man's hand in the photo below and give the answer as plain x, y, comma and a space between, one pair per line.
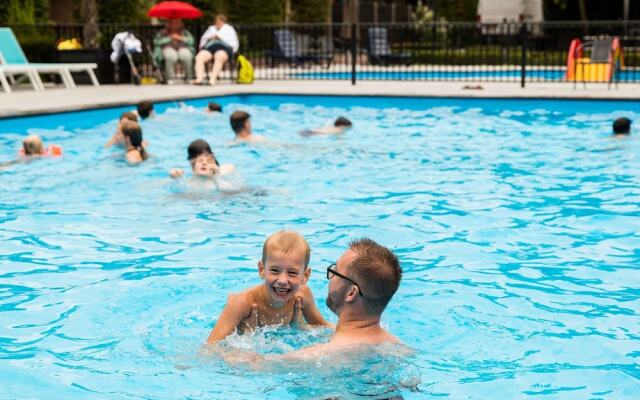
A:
298, 317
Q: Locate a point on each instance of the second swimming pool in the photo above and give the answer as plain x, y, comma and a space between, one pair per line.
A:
515, 222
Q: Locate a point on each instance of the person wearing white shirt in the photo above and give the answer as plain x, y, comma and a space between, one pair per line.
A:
218, 43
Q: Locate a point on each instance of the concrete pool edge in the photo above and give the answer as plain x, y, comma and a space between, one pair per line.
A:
28, 103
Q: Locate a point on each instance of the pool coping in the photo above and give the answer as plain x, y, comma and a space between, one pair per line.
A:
58, 100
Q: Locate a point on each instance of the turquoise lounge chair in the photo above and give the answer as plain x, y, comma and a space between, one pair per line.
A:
13, 61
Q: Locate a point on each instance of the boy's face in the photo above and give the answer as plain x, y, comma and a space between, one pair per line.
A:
204, 165
283, 274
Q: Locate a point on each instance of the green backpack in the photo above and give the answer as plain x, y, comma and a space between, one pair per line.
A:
245, 70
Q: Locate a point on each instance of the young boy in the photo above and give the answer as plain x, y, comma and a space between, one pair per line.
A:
204, 163
282, 299
118, 138
241, 125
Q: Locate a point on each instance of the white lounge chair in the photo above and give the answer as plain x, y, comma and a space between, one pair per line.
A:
14, 61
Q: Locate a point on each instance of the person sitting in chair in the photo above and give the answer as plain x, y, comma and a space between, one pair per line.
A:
218, 43
172, 44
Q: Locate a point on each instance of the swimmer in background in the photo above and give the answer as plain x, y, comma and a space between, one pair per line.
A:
204, 164
134, 149
622, 127
144, 109
118, 138
282, 299
214, 108
32, 147
340, 125
241, 125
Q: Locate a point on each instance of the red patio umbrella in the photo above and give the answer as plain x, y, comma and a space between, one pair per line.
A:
174, 9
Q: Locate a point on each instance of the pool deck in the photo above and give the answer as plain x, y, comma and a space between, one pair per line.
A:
25, 101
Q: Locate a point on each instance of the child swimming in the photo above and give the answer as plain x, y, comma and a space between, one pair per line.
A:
134, 149
118, 138
32, 146
204, 163
283, 298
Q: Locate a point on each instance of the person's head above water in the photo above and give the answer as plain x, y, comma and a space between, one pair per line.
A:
364, 279
129, 116
342, 122
622, 126
203, 161
240, 123
145, 108
285, 257
32, 145
286, 242
214, 107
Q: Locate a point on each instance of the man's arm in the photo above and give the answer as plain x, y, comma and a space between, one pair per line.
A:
234, 312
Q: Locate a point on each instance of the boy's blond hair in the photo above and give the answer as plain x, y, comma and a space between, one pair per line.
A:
286, 242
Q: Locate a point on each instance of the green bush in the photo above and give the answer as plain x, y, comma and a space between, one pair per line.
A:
310, 10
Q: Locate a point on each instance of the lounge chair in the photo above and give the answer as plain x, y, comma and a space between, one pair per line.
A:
14, 61
380, 51
287, 50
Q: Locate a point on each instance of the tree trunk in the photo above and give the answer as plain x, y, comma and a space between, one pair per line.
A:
90, 29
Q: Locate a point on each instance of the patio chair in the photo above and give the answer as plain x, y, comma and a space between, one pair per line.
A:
14, 61
287, 50
379, 49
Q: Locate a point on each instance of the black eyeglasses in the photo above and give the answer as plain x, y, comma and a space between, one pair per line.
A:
331, 272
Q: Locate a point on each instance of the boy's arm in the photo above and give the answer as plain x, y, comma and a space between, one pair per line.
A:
310, 310
234, 312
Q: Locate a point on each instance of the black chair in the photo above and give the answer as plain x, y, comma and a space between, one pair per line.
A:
379, 49
287, 50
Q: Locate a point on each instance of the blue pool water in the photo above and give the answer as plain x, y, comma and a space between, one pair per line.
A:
516, 222
402, 73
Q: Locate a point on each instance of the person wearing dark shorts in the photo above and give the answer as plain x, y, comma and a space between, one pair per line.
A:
218, 43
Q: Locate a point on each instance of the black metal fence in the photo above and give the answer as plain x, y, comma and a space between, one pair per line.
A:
506, 52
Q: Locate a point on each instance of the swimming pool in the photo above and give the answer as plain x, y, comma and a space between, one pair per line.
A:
515, 222
462, 74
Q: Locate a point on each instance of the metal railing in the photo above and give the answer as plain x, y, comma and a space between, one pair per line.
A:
460, 51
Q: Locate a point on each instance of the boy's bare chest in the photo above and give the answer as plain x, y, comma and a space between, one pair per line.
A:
267, 316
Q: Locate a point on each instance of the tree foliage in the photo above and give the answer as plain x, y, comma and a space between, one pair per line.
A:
14, 12
310, 10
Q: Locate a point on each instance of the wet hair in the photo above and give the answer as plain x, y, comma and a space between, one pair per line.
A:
213, 106
342, 121
133, 131
286, 242
32, 145
377, 271
199, 147
621, 126
238, 120
144, 109
129, 115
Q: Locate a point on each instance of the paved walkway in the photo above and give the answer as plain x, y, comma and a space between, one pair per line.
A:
26, 102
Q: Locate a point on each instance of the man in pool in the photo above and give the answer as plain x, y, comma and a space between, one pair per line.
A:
621, 127
241, 125
340, 125
283, 298
361, 284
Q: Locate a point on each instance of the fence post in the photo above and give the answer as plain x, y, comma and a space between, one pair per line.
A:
523, 60
354, 53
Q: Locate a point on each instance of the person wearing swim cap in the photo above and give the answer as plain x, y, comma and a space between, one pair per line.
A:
204, 163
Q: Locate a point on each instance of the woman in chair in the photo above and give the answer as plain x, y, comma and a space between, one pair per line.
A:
172, 44
218, 43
